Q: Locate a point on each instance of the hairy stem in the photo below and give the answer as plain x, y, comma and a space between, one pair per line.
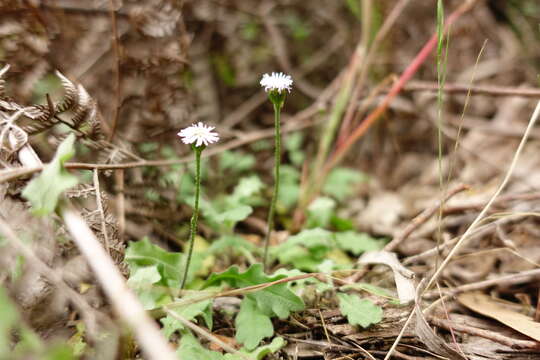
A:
195, 216
277, 161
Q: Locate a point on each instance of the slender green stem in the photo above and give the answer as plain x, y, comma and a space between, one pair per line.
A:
277, 161
195, 216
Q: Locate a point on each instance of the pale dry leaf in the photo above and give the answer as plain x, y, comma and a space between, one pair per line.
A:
487, 306
403, 277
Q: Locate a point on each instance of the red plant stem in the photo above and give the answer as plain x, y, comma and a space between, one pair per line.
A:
396, 88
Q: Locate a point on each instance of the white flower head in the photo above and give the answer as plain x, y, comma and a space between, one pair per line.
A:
199, 134
276, 81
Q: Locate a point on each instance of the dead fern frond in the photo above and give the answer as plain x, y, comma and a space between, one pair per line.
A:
6, 103
157, 21
2, 81
81, 191
43, 117
17, 138
71, 96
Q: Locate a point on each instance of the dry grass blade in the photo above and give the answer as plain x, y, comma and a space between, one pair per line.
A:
125, 303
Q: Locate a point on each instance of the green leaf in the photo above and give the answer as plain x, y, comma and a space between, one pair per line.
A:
58, 352
236, 161
306, 250
359, 311
357, 243
259, 353
190, 348
341, 182
252, 325
142, 281
300, 30
43, 192
320, 212
308, 287
250, 30
230, 217
275, 345
276, 300
224, 69
246, 189
189, 312
10, 317
169, 265
354, 7
293, 144
372, 289
289, 188
234, 243
341, 224
143, 253
77, 341
223, 213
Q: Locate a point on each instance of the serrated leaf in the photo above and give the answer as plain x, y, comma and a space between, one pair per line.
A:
170, 265
143, 253
276, 300
252, 325
188, 312
43, 192
357, 243
306, 250
359, 311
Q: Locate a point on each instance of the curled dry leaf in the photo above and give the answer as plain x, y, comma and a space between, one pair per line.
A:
403, 277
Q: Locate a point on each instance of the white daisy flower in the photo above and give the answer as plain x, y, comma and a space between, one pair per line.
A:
276, 81
199, 134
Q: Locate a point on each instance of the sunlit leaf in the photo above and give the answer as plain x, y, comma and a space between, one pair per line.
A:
44, 191
357, 243
252, 325
359, 311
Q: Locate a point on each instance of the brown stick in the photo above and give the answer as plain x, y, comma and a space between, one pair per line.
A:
116, 70
206, 334
300, 121
487, 334
490, 90
101, 212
